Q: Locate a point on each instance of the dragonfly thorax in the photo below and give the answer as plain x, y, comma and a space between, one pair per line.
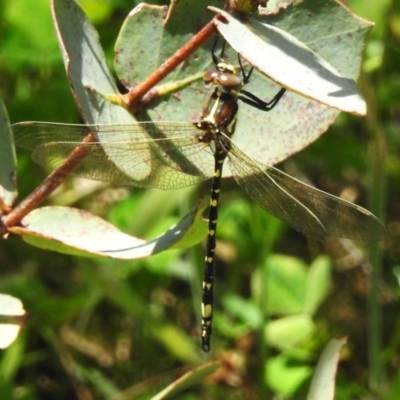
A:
219, 113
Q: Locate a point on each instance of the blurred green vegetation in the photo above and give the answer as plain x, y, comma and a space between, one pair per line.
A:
120, 330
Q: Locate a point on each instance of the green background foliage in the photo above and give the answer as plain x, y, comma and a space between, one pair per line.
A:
126, 329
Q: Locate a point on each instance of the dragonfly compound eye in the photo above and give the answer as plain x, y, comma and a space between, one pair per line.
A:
222, 78
230, 81
211, 77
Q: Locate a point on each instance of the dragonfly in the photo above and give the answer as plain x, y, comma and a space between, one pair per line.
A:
172, 155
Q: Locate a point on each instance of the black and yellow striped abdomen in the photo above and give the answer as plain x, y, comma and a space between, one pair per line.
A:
209, 269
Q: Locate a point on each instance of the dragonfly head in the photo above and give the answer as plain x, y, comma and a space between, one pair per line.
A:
225, 76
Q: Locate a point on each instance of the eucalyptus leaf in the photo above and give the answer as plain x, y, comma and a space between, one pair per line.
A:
290, 63
336, 35
85, 65
92, 83
72, 231
146, 40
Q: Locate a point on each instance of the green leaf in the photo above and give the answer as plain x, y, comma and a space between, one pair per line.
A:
323, 382
85, 64
77, 232
8, 161
287, 333
318, 282
281, 283
141, 33
244, 310
11, 361
284, 375
92, 83
337, 36
290, 63
146, 41
287, 286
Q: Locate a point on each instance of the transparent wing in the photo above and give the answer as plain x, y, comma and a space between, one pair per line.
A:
316, 214
162, 155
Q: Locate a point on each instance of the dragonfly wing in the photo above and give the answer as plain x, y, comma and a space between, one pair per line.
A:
95, 164
37, 136
313, 212
172, 158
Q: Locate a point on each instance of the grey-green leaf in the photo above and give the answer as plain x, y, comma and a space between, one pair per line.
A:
145, 42
323, 381
72, 231
290, 63
91, 81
